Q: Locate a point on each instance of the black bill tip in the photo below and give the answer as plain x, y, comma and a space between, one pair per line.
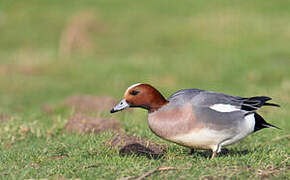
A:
112, 111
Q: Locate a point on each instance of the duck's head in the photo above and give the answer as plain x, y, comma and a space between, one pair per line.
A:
141, 95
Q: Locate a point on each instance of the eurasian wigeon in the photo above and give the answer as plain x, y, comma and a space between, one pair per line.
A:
198, 119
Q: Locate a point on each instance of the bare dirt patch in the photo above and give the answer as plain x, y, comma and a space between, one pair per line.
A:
87, 103
4, 117
128, 144
29, 62
47, 108
4, 70
78, 33
81, 123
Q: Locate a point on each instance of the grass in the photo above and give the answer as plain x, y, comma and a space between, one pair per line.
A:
238, 47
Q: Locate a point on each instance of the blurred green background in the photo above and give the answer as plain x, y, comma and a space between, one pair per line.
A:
52, 49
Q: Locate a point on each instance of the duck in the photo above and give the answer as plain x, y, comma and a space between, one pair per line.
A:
195, 118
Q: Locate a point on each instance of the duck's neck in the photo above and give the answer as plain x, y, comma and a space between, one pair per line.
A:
157, 102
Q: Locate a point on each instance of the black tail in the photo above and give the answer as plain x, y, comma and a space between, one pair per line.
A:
263, 101
271, 104
260, 123
254, 103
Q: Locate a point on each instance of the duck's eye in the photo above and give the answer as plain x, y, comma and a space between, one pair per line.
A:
134, 92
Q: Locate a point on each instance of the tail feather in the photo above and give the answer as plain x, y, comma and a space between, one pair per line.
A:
260, 98
254, 103
271, 104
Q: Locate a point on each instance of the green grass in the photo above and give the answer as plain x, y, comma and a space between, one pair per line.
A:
238, 47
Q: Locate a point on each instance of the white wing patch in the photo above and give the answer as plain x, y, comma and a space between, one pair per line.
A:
224, 108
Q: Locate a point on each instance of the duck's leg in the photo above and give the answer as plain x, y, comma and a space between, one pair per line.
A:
215, 150
213, 154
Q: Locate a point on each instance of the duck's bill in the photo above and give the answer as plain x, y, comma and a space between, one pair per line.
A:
119, 107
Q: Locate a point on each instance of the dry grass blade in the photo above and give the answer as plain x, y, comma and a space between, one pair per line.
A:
265, 173
127, 178
281, 137
286, 160
165, 168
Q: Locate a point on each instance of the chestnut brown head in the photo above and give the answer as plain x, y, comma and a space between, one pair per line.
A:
141, 95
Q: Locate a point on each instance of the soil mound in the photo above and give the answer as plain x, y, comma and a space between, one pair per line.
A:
128, 144
81, 123
87, 103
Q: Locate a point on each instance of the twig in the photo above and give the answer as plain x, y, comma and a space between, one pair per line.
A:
147, 174
161, 168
